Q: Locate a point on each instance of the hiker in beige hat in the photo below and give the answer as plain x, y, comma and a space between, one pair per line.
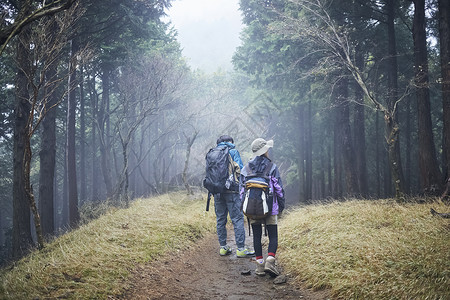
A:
260, 179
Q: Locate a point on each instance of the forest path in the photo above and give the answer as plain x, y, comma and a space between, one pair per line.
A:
201, 273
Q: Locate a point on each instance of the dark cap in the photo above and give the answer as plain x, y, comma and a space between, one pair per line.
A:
225, 138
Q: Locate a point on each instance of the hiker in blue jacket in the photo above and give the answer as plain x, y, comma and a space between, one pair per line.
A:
258, 165
229, 203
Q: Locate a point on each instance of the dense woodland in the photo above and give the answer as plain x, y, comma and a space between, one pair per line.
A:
98, 104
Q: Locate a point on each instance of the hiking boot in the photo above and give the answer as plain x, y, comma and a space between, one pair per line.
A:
225, 250
244, 252
270, 268
260, 267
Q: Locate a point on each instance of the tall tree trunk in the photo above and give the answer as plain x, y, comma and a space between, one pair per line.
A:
2, 233
392, 75
21, 234
93, 98
104, 133
377, 155
122, 190
444, 38
430, 175
94, 184
301, 155
408, 148
308, 153
337, 164
83, 174
323, 167
330, 174
56, 196
47, 156
65, 197
27, 180
74, 216
132, 163
392, 57
391, 117
394, 156
360, 131
345, 137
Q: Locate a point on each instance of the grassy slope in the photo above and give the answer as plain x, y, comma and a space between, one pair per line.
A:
358, 249
369, 249
95, 260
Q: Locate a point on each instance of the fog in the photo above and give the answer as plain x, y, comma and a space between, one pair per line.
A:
116, 100
208, 31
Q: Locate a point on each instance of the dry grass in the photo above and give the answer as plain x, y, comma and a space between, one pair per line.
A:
369, 249
357, 249
95, 260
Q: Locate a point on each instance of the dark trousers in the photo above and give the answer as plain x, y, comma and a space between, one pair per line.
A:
257, 235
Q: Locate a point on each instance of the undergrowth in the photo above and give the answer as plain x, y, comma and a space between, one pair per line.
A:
368, 249
95, 260
356, 249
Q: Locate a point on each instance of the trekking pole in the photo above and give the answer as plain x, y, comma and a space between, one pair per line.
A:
207, 201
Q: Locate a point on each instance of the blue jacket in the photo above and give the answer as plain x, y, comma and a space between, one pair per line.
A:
233, 152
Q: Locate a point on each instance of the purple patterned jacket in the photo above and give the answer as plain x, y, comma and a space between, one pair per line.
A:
257, 165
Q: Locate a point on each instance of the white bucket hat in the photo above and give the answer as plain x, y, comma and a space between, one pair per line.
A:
261, 146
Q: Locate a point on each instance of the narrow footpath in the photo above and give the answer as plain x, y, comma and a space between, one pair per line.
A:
201, 273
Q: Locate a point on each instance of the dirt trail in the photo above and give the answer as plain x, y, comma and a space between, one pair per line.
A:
201, 273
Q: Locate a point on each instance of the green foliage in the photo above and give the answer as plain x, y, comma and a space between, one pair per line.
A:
118, 31
289, 52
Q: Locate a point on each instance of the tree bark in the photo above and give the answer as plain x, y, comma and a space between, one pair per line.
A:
444, 38
345, 137
430, 175
83, 174
337, 165
27, 180
104, 132
391, 118
394, 156
2, 231
408, 148
301, 155
323, 167
47, 157
360, 131
74, 216
330, 174
122, 191
377, 155
94, 103
65, 197
308, 153
21, 234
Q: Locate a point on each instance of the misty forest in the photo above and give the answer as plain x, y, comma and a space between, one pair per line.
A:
98, 105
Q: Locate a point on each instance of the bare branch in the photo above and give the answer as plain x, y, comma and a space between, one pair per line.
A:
23, 20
